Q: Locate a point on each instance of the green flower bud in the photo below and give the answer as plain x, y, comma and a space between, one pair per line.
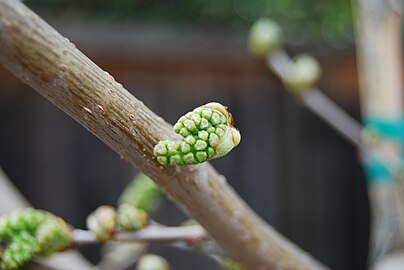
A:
19, 251
264, 37
131, 218
142, 193
20, 220
53, 235
305, 72
152, 262
102, 222
31, 232
208, 133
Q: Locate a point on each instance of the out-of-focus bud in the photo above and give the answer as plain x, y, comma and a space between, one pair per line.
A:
102, 222
131, 218
228, 264
142, 193
304, 73
264, 37
152, 262
53, 235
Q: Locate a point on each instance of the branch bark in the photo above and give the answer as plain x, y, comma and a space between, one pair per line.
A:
42, 58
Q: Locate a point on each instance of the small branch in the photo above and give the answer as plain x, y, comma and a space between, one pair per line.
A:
120, 256
318, 103
149, 234
327, 110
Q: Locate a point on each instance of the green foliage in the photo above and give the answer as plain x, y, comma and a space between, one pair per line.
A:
301, 20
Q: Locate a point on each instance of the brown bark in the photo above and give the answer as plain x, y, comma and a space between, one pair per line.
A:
52, 65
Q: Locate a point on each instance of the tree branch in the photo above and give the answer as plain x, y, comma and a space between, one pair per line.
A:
152, 233
318, 103
42, 58
328, 111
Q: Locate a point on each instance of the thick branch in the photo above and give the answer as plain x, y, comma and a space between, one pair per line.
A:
52, 65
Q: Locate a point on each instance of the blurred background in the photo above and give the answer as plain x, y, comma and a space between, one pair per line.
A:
291, 168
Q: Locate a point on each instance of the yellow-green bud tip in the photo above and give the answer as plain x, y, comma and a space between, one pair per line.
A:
152, 262
264, 37
305, 73
102, 222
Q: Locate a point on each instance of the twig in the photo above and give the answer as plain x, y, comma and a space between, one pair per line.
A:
327, 110
152, 233
120, 256
318, 103
42, 58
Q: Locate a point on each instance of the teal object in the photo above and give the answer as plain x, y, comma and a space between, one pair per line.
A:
392, 130
387, 129
377, 172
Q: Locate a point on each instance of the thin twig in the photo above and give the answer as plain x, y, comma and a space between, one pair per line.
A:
280, 63
152, 233
327, 110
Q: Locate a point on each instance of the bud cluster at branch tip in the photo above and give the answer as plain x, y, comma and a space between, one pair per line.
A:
142, 193
207, 133
30, 232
